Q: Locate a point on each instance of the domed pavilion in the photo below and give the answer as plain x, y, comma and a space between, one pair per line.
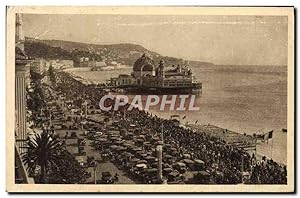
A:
144, 66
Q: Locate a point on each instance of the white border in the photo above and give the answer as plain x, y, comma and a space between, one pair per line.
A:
111, 2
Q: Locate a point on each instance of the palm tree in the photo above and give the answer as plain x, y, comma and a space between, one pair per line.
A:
43, 150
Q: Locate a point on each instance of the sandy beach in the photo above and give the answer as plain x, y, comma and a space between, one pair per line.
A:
244, 99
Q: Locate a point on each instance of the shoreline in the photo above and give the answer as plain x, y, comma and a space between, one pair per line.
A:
181, 143
263, 149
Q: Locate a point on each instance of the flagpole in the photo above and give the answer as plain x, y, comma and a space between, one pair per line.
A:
95, 174
162, 133
255, 147
272, 149
85, 109
50, 120
242, 168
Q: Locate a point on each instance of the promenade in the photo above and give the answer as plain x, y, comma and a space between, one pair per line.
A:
129, 141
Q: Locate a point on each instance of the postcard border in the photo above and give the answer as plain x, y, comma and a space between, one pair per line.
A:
158, 10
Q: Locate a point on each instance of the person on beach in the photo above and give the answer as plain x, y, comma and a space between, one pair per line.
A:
226, 163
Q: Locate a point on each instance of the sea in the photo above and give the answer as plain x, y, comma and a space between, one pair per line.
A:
244, 99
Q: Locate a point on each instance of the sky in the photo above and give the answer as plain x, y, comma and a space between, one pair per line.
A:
222, 40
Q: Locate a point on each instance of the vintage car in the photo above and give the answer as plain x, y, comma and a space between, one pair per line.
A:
189, 163
199, 165
246, 177
73, 127
180, 167
90, 161
63, 127
202, 177
139, 170
151, 176
73, 134
81, 142
168, 158
105, 156
107, 178
173, 177
166, 171
80, 160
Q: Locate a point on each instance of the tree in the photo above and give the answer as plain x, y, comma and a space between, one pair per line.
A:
43, 151
36, 98
34, 76
68, 170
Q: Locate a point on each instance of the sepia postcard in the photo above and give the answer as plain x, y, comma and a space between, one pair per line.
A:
150, 99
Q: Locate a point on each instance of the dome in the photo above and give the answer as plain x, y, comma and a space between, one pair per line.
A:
144, 63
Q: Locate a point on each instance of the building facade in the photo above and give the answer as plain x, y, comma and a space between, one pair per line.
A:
147, 74
21, 68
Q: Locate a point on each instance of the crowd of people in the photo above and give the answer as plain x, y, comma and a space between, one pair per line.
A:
227, 164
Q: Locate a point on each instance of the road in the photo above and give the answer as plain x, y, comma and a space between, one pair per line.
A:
90, 151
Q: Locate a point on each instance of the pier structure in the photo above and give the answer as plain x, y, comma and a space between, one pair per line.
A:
150, 78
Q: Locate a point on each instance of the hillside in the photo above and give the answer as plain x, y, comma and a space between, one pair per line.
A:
123, 53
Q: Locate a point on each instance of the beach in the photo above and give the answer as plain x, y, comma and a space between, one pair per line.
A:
244, 99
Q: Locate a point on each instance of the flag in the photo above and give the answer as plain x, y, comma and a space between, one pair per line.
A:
270, 134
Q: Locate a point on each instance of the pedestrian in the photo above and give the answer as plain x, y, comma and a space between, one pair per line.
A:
116, 177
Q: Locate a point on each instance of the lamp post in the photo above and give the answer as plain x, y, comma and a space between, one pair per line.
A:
159, 156
50, 119
95, 172
85, 108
